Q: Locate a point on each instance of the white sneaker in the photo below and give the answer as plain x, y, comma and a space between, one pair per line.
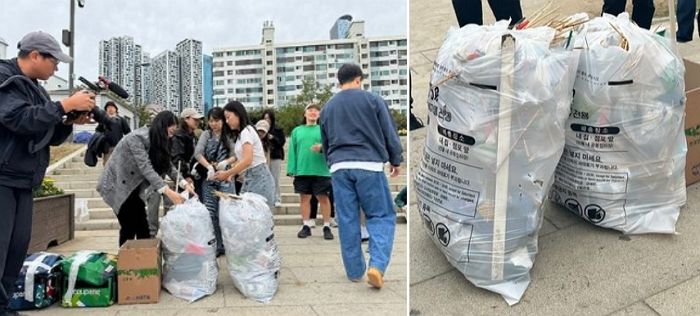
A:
334, 223
278, 204
311, 223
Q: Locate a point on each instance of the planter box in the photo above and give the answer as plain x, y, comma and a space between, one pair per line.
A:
52, 222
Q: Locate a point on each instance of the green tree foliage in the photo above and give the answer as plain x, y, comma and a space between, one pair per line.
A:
291, 115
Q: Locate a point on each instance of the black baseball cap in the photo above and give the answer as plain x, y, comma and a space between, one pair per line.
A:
43, 43
348, 72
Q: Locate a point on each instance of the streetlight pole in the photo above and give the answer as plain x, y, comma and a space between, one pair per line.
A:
71, 47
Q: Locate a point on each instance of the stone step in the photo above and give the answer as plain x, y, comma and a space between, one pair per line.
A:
92, 184
78, 163
76, 185
77, 171
83, 193
93, 177
74, 177
103, 211
280, 220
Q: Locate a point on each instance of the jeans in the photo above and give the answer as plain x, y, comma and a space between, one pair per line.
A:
686, 13
259, 180
354, 189
275, 167
211, 201
15, 234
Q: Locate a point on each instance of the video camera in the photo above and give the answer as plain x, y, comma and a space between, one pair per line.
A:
101, 85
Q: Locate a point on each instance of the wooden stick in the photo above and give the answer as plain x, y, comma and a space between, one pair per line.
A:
503, 156
177, 182
227, 196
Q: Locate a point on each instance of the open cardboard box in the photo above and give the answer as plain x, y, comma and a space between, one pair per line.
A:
139, 272
692, 121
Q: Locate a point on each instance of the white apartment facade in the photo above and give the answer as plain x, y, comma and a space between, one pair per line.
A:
269, 74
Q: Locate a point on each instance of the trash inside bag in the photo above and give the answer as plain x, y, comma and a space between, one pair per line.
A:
498, 101
189, 251
251, 250
624, 161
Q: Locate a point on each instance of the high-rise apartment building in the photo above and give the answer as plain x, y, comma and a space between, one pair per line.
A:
165, 81
190, 55
271, 74
208, 82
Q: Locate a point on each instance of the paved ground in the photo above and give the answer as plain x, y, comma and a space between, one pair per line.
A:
580, 269
312, 282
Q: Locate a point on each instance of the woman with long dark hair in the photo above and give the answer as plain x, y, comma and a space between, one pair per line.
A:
212, 152
276, 139
249, 154
140, 161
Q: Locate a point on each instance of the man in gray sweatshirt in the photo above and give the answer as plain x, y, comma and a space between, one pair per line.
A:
359, 136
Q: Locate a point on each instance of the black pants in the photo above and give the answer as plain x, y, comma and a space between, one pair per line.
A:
132, 219
686, 14
469, 11
642, 10
15, 233
314, 205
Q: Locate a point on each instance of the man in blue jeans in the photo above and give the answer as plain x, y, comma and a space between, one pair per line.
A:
358, 137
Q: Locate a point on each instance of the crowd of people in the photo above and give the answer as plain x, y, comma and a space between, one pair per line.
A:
336, 156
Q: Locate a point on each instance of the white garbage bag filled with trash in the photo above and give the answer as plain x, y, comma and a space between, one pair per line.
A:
189, 251
624, 160
251, 250
498, 101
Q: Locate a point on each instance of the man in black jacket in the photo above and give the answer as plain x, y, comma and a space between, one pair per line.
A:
29, 123
113, 130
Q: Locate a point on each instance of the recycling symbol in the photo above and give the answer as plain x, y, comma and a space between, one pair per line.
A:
429, 224
594, 213
573, 206
443, 234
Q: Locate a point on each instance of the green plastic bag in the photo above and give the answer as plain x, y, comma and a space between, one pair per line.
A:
96, 270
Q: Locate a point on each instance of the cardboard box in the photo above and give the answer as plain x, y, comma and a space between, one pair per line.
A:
139, 271
692, 121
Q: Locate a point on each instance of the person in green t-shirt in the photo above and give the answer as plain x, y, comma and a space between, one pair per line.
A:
307, 164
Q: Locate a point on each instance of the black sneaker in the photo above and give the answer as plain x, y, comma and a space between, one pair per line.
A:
327, 234
304, 232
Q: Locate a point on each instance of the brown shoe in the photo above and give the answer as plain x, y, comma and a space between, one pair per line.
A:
375, 278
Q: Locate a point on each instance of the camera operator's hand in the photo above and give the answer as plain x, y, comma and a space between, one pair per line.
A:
79, 101
82, 119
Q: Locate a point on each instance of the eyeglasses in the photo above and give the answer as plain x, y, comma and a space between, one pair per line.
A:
54, 60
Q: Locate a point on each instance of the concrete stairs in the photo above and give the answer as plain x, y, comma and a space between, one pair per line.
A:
73, 176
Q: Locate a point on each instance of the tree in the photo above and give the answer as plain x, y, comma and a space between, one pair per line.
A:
400, 121
291, 115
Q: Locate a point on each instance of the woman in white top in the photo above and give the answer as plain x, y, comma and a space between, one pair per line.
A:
248, 150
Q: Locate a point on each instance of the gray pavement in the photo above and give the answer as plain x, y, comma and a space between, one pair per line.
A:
580, 269
312, 282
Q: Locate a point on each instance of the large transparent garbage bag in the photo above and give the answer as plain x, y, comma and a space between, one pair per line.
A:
251, 250
495, 135
623, 164
189, 251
